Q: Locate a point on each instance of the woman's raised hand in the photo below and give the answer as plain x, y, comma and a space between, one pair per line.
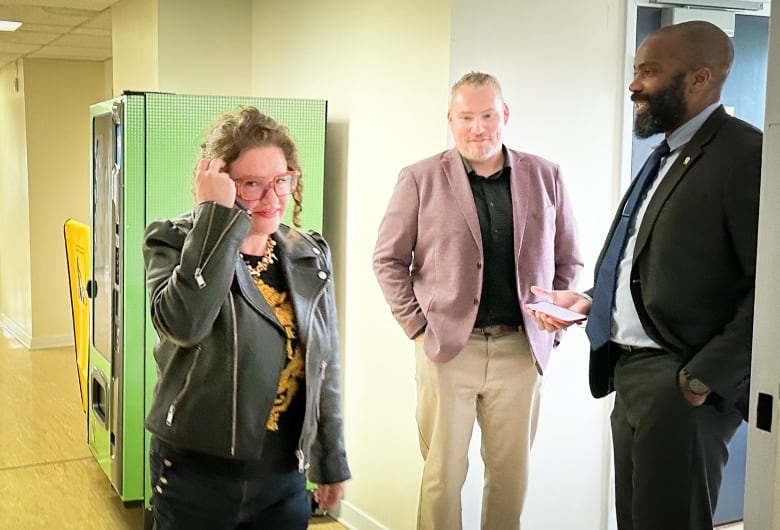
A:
214, 184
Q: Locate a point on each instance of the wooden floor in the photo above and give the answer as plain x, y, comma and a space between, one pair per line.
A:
48, 477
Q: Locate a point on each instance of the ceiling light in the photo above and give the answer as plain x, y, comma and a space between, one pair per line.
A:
9, 25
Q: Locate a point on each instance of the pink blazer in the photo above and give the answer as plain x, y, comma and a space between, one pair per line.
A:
428, 255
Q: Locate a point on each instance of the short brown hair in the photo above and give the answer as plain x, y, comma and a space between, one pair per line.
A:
477, 79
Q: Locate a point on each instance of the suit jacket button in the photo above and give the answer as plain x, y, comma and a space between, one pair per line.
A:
476, 301
479, 264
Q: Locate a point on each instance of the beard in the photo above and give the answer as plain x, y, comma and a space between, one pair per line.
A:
480, 152
665, 109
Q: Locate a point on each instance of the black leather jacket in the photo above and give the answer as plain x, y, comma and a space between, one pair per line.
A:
217, 355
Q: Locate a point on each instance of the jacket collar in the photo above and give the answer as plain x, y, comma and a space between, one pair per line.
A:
296, 244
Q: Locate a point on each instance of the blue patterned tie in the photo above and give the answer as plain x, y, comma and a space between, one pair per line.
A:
599, 326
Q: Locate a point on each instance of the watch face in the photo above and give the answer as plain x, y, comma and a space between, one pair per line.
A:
697, 387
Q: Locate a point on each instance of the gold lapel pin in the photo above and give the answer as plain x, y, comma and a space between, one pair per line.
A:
687, 159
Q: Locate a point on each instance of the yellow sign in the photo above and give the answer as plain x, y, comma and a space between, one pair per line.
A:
77, 251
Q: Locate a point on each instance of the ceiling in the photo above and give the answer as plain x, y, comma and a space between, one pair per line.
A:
56, 29
65, 29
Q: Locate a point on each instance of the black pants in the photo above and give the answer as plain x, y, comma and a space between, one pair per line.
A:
192, 497
669, 455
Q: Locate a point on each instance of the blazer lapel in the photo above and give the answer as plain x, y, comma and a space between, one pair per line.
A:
518, 185
685, 161
452, 165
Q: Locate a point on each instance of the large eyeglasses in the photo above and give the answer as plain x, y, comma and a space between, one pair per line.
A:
253, 190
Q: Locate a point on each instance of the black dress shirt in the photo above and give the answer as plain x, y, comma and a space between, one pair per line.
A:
499, 303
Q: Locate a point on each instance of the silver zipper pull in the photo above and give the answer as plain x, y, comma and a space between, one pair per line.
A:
323, 365
199, 278
169, 417
299, 454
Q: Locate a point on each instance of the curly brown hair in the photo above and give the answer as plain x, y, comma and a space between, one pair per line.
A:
233, 133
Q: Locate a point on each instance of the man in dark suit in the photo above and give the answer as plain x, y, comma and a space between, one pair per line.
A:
671, 313
466, 233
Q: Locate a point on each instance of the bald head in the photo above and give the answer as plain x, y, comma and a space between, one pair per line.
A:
678, 71
700, 44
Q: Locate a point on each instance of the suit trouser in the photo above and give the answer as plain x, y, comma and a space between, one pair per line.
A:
669, 455
493, 380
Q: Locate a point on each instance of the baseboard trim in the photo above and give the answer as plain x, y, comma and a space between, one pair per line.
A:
52, 341
355, 519
35, 343
17, 332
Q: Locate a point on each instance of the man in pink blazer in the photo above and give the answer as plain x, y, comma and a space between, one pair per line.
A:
466, 234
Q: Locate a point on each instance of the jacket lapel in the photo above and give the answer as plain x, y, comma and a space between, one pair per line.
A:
518, 183
291, 250
685, 161
307, 273
296, 250
455, 173
251, 293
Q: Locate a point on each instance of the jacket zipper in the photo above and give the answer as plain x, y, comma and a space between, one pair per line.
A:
198, 276
235, 378
187, 381
203, 262
302, 464
323, 366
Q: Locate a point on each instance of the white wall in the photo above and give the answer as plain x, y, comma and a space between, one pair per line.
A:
182, 46
15, 281
134, 34
560, 64
205, 46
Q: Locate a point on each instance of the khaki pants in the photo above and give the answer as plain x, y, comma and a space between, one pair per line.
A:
493, 380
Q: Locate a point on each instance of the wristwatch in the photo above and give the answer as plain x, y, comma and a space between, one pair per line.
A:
695, 385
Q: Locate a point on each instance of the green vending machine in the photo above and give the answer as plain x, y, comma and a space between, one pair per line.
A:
144, 148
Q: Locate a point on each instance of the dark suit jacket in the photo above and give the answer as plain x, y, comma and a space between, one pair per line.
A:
428, 255
693, 275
